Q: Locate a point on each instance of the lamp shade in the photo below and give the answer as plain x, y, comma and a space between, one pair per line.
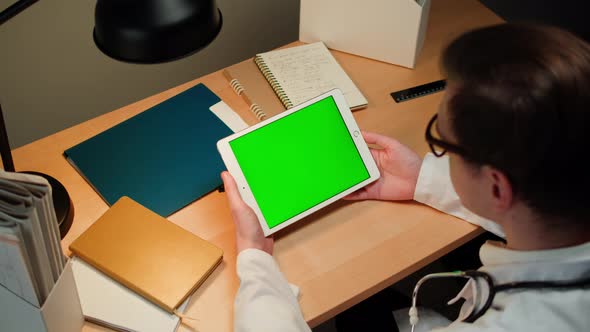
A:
154, 31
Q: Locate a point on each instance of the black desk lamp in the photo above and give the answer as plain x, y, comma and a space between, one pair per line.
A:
137, 31
154, 31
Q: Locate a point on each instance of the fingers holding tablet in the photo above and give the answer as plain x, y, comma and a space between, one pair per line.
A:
399, 167
249, 234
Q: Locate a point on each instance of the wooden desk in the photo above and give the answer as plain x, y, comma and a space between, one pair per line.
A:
344, 253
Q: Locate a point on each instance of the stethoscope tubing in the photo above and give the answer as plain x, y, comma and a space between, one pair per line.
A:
517, 285
494, 289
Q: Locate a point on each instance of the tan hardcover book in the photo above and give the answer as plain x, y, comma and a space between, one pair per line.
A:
148, 254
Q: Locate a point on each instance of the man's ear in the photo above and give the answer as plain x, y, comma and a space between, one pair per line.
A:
501, 188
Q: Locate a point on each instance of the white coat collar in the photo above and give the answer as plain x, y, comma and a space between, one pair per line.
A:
507, 265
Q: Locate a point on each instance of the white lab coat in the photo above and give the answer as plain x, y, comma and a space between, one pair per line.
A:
266, 301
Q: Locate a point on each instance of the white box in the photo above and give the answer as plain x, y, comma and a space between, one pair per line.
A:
61, 311
386, 30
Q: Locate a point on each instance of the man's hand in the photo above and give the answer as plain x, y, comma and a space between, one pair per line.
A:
399, 167
248, 231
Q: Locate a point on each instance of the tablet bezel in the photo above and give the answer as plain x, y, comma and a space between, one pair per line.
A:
234, 169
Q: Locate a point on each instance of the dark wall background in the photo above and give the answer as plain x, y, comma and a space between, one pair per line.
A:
52, 76
568, 14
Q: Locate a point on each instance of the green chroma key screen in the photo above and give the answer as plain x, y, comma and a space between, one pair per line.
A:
299, 161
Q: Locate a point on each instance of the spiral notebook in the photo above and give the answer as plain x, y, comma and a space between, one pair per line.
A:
247, 81
299, 73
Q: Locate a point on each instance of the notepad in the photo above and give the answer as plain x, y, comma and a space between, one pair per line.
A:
148, 254
300, 73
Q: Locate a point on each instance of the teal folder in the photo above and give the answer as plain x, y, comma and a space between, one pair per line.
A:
163, 158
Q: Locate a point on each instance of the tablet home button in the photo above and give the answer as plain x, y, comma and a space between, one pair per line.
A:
356, 133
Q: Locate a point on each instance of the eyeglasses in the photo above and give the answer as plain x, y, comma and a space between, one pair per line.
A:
440, 147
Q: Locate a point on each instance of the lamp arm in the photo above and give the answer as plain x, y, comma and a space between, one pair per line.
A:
5, 146
14, 9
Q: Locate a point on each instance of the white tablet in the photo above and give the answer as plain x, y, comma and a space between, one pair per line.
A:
299, 161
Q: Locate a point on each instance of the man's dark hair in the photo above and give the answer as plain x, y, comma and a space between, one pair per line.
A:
521, 104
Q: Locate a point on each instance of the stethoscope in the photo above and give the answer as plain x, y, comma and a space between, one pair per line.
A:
493, 290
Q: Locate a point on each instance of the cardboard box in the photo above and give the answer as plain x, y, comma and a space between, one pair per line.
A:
61, 311
392, 31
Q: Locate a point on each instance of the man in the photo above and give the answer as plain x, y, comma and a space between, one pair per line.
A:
510, 137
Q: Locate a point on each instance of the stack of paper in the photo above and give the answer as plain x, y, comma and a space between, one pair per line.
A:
107, 302
31, 258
